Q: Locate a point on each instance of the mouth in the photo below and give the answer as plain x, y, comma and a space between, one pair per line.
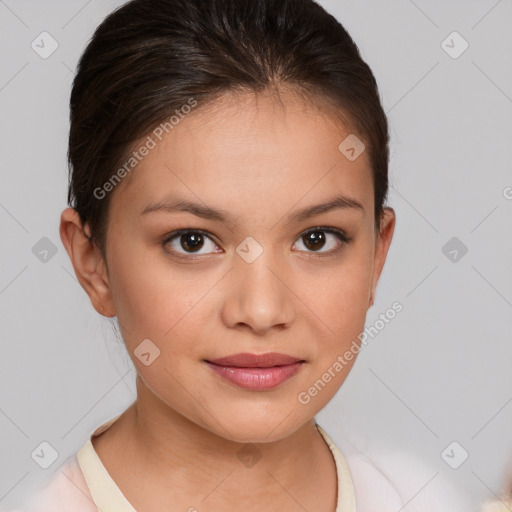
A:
257, 372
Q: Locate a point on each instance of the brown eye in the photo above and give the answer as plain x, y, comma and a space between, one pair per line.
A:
317, 239
314, 240
190, 242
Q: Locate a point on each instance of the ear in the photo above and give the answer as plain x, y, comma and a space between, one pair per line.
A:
383, 241
88, 263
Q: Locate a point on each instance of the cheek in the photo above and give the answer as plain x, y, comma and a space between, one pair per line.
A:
160, 301
146, 294
341, 298
345, 288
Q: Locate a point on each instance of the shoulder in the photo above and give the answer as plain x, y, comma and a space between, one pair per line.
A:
403, 481
496, 506
387, 478
67, 490
373, 489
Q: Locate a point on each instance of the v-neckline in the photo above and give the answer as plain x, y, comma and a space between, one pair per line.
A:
107, 495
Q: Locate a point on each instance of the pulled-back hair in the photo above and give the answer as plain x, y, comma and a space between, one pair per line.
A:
150, 58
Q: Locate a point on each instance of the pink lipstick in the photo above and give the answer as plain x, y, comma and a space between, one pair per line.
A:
257, 372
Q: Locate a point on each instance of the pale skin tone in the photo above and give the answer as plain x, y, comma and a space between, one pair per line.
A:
259, 161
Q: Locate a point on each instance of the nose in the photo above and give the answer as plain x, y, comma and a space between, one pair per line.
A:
258, 297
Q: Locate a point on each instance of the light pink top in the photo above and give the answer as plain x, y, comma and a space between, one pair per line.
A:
82, 484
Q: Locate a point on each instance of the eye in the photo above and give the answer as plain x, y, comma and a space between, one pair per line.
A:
191, 241
318, 238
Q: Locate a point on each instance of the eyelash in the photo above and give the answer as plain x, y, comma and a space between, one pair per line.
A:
341, 235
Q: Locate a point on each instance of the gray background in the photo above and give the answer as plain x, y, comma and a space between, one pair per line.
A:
437, 373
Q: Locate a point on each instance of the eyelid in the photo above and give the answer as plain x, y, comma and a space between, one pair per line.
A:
331, 229
341, 235
173, 234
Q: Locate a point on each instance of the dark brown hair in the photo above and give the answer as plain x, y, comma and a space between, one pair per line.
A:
149, 58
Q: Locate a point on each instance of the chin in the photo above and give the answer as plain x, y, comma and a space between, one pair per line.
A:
258, 428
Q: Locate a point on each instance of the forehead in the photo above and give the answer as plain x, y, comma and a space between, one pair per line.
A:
246, 145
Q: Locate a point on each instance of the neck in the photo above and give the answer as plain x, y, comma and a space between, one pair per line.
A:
177, 457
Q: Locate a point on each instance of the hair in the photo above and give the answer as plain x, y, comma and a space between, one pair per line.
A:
150, 58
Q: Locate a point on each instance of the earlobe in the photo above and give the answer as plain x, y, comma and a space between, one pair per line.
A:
384, 237
87, 261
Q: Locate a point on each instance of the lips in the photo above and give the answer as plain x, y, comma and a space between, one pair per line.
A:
247, 360
256, 372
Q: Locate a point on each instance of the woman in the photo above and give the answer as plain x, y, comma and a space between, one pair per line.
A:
228, 178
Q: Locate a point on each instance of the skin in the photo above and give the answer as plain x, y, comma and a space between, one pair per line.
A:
260, 160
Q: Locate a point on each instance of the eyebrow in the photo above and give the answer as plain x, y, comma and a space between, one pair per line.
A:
183, 205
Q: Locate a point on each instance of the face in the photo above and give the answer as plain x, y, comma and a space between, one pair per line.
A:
247, 269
